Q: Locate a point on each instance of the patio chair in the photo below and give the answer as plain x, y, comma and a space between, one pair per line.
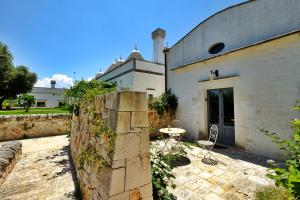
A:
177, 137
207, 145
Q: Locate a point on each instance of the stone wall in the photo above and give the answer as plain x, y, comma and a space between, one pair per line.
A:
156, 121
13, 127
110, 147
9, 154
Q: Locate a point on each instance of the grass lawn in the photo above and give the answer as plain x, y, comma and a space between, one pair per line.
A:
32, 111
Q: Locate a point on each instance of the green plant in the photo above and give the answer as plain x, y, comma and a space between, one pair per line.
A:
6, 104
161, 173
106, 134
274, 193
91, 156
288, 176
86, 91
167, 102
26, 101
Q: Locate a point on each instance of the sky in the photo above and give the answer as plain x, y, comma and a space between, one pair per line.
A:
55, 38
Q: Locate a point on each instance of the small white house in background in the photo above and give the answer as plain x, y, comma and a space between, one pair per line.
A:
239, 69
137, 74
48, 97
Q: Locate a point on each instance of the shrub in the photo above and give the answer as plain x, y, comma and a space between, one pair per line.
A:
162, 176
167, 102
273, 192
26, 101
86, 90
288, 176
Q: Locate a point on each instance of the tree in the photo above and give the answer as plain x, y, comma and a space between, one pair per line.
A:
14, 80
26, 101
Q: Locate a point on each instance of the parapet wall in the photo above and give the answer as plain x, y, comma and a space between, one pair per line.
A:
14, 127
10, 152
110, 147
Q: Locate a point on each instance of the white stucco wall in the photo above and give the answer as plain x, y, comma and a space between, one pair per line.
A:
49, 95
147, 82
149, 66
238, 26
125, 81
268, 82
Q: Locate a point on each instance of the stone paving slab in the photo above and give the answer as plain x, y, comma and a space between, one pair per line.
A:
236, 179
43, 171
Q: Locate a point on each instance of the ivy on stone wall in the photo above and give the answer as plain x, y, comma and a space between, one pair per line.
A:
106, 134
91, 157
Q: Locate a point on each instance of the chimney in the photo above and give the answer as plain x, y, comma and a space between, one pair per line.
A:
53, 82
158, 37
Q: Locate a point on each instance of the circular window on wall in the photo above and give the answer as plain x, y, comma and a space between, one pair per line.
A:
216, 48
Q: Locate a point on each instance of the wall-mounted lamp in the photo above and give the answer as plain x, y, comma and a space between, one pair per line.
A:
213, 74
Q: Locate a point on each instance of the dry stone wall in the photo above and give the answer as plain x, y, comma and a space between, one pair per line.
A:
14, 127
9, 154
110, 147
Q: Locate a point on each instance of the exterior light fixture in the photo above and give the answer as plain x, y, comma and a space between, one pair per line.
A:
213, 74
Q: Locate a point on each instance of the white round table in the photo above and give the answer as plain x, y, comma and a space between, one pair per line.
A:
173, 133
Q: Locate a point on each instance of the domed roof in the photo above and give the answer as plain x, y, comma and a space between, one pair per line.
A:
115, 64
135, 54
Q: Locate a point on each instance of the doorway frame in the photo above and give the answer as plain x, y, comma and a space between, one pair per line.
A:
221, 125
203, 87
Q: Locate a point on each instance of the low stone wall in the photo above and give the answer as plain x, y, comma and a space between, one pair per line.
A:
110, 147
156, 121
9, 154
14, 127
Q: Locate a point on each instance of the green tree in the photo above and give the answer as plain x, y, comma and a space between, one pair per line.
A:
26, 101
14, 80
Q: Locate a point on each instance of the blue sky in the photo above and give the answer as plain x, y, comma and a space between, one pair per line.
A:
66, 36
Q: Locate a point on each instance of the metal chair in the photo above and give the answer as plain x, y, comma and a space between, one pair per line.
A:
177, 137
207, 145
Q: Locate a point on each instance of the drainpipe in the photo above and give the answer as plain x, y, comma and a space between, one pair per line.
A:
166, 50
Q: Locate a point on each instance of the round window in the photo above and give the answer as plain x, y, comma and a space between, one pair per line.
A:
216, 48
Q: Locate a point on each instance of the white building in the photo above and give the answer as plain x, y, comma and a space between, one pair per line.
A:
137, 74
48, 97
239, 69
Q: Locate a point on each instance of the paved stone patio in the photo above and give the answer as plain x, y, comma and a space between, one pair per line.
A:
237, 178
43, 171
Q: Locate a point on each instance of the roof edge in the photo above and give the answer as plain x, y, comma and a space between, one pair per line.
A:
240, 48
211, 16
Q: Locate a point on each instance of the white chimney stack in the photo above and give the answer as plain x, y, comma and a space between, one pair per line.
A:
158, 37
53, 82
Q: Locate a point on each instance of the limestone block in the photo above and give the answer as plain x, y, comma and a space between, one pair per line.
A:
111, 101
139, 119
145, 141
119, 152
118, 163
146, 191
132, 145
132, 101
119, 121
117, 181
138, 172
